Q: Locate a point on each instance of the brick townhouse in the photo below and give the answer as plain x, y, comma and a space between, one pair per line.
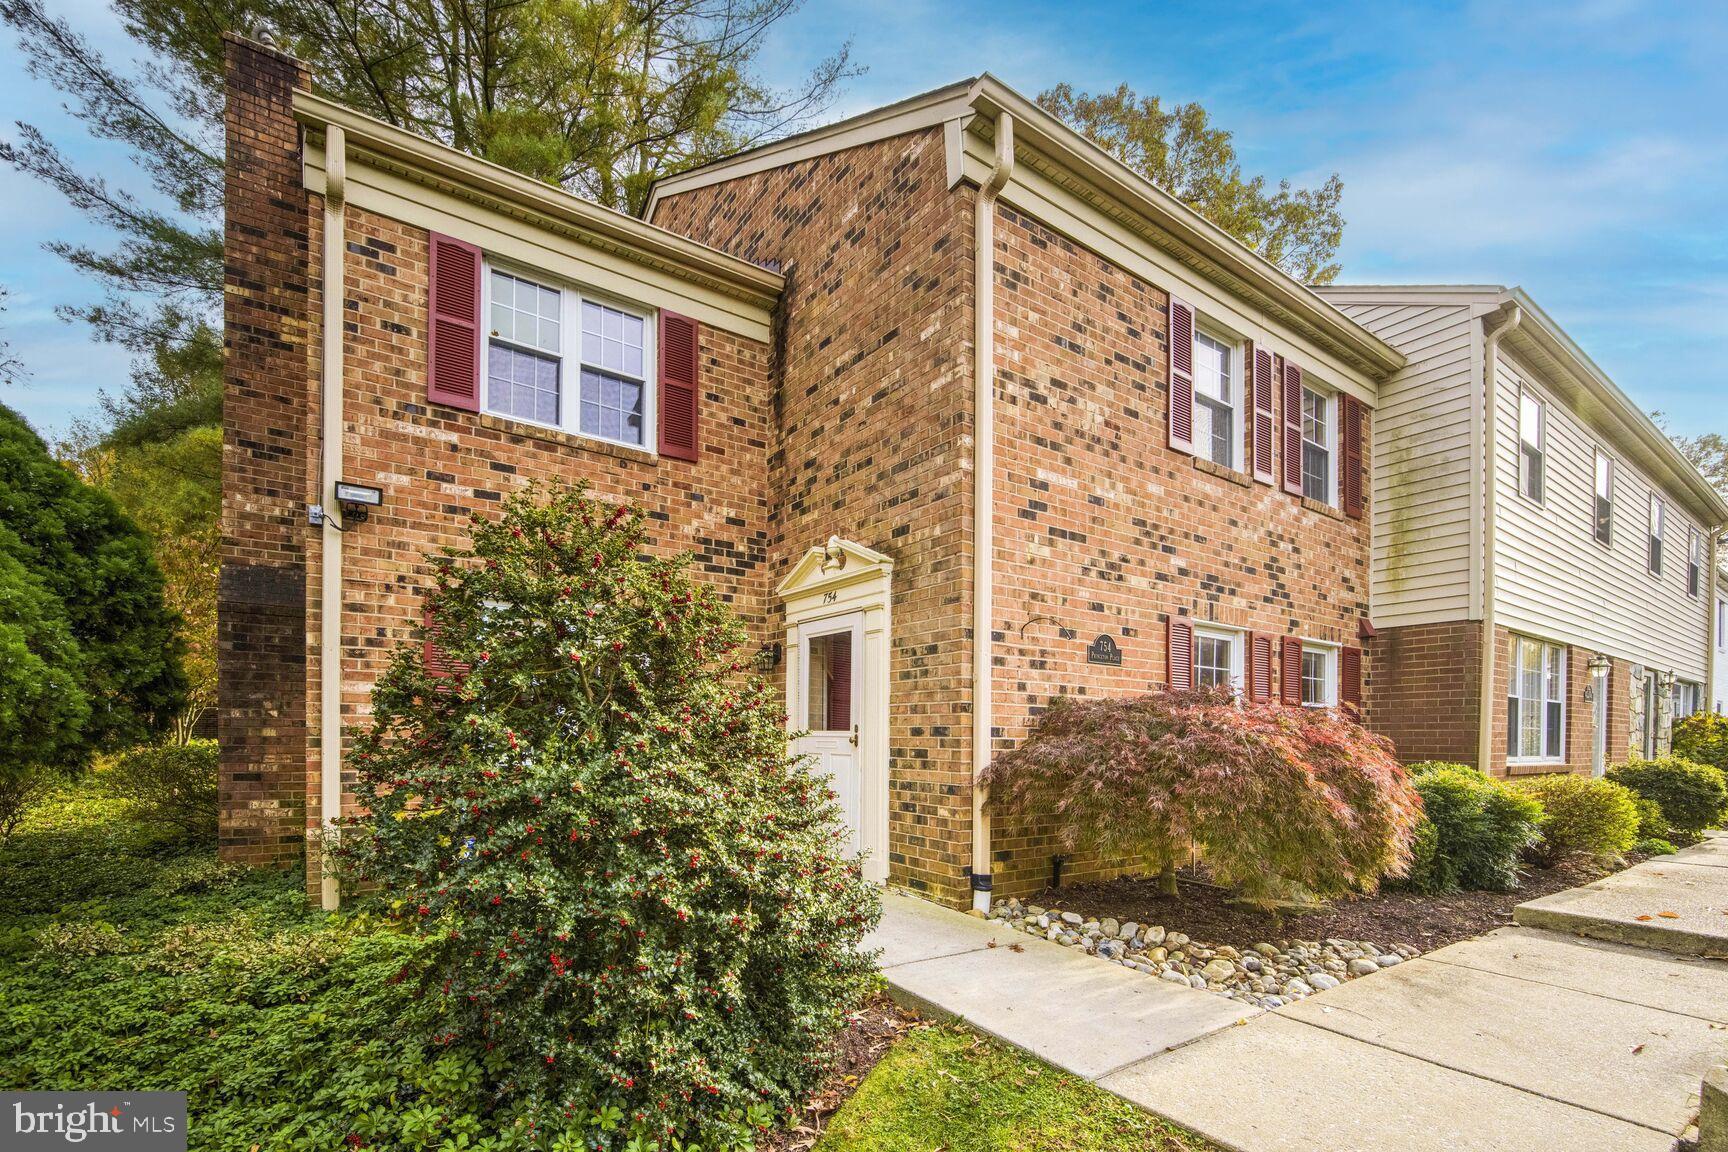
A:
1528, 499
1121, 453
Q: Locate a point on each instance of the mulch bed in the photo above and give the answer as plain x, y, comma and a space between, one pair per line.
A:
1206, 912
873, 1030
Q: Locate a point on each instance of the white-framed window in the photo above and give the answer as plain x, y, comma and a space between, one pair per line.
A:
1722, 623
1217, 659
1532, 444
1319, 434
1319, 675
1215, 398
1603, 504
1653, 555
1536, 703
560, 357
1694, 562
1687, 697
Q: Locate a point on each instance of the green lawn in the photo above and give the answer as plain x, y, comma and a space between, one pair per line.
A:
950, 1090
128, 961
131, 962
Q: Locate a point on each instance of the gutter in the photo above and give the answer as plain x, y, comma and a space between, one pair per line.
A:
984, 493
330, 471
1512, 316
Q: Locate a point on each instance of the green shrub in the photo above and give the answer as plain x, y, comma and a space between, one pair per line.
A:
1424, 767
1651, 825
1474, 830
632, 893
1703, 738
171, 784
1690, 795
1654, 846
1281, 801
1583, 815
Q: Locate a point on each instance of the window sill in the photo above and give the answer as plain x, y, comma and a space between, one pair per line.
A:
1223, 472
562, 439
1321, 509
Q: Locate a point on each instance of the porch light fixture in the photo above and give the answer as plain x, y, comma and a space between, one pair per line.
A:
357, 500
1598, 669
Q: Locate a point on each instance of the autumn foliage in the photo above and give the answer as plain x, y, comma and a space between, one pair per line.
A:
1283, 802
636, 900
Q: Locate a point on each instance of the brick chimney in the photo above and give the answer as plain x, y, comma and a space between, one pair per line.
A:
267, 377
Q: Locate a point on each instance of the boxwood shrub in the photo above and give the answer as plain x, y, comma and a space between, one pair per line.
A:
1691, 795
1473, 829
1581, 815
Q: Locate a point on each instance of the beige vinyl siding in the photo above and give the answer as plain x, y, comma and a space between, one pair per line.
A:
1555, 581
1423, 448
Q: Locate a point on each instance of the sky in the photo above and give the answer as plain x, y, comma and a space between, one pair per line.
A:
1579, 150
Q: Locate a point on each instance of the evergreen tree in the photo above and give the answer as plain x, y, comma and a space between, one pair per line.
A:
634, 893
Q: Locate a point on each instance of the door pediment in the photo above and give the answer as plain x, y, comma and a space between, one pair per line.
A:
832, 566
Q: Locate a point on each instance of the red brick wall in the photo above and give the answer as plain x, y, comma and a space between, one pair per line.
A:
1424, 689
1102, 529
875, 422
437, 466
1426, 698
260, 621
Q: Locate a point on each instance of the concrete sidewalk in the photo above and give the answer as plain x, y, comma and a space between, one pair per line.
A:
1079, 1013
1524, 1038
1677, 903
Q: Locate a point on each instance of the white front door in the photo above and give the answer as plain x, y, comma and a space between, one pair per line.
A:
829, 690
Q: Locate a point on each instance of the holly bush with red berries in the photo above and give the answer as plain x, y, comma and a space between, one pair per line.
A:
638, 901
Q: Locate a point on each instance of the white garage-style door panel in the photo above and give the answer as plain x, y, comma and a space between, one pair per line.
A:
838, 610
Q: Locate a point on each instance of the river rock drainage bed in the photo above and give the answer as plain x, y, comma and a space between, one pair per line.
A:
1266, 973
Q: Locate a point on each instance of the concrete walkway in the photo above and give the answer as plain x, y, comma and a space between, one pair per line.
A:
1524, 1038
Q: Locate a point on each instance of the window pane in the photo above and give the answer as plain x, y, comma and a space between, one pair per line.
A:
612, 340
828, 683
1530, 420
611, 407
1214, 428
1315, 668
1211, 368
1316, 446
1212, 662
1552, 733
524, 312
521, 384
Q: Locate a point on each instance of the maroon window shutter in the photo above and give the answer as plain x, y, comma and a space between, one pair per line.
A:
1291, 660
1263, 422
1350, 678
433, 657
1181, 376
1352, 479
840, 682
1179, 654
1259, 667
1292, 429
680, 338
453, 325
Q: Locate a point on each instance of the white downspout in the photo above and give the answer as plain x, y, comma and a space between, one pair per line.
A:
1513, 316
984, 492
330, 588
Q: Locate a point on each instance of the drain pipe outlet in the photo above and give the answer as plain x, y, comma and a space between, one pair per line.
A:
984, 493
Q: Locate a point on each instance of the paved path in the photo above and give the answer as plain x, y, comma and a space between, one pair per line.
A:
1526, 1038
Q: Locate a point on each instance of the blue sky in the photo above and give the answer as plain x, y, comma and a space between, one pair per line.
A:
1579, 150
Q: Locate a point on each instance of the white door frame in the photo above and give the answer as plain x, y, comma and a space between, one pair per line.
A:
844, 579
